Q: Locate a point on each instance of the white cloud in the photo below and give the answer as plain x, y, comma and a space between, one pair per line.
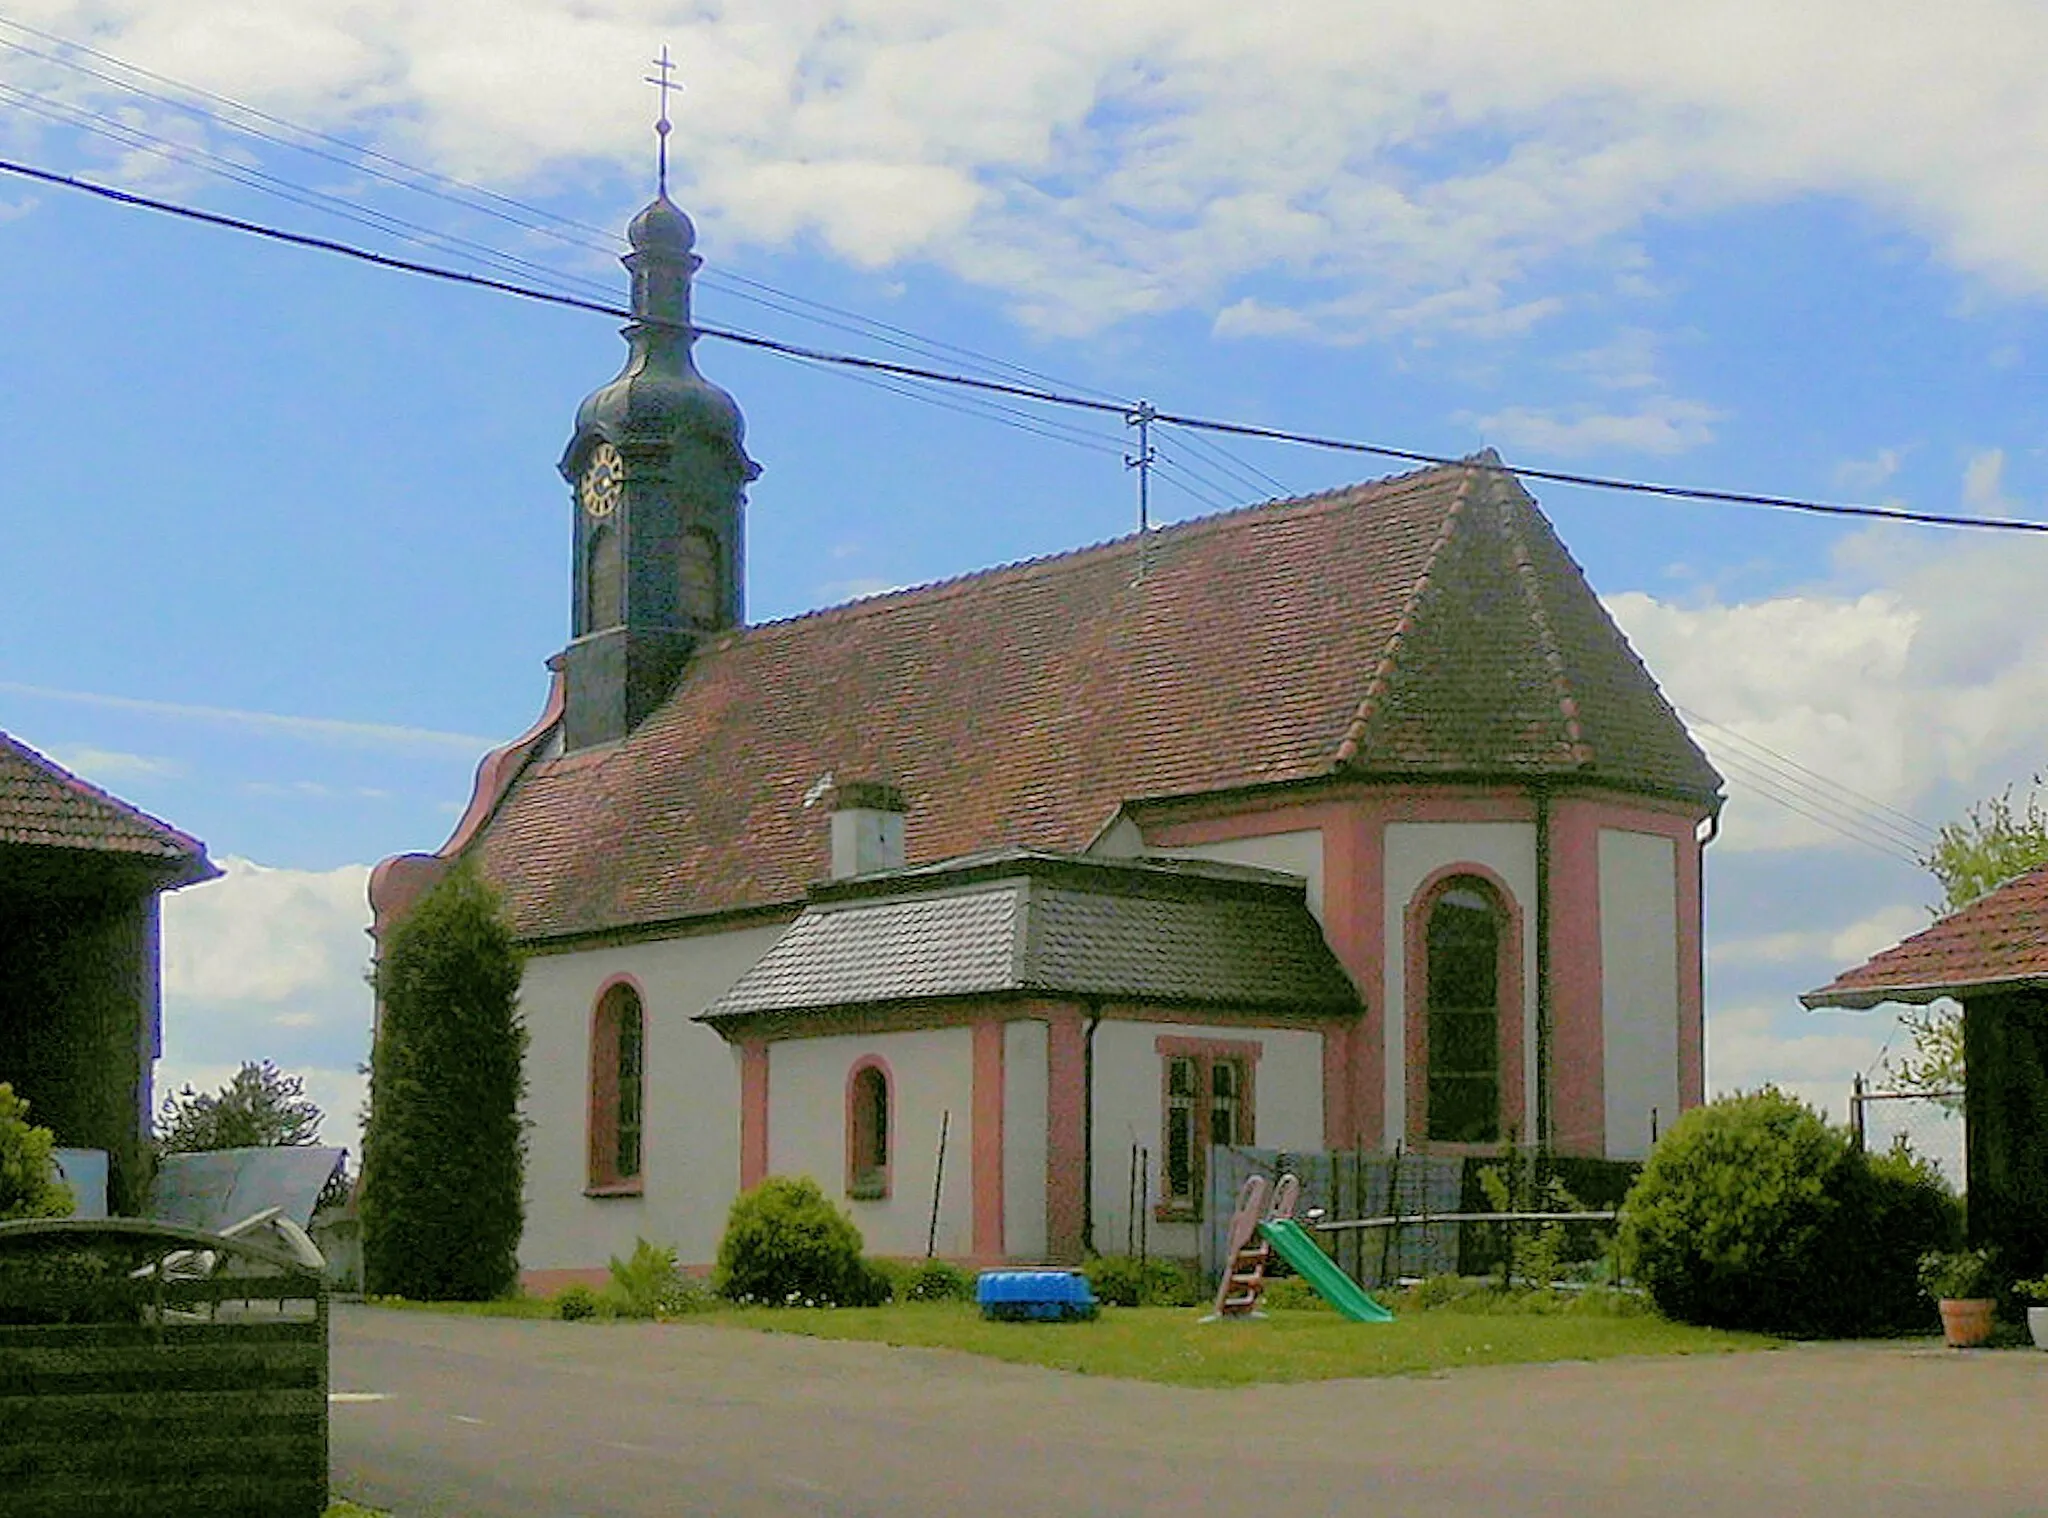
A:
1661, 424
108, 767
1916, 677
1861, 476
1399, 163
1984, 484
266, 935
1843, 946
268, 964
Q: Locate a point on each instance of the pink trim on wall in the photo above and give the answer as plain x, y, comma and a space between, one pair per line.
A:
1692, 972
753, 1112
988, 1141
889, 1117
1066, 1177
1415, 999
1578, 1035
545, 1283
1576, 942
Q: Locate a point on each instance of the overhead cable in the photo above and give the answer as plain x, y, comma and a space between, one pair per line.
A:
1035, 393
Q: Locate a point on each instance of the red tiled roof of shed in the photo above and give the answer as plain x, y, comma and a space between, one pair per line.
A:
44, 805
1426, 625
1999, 939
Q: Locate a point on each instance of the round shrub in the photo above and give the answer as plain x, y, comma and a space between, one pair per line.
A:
786, 1245
937, 1281
1121, 1280
575, 1302
1753, 1213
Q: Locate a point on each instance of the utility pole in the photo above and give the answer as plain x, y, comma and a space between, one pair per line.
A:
1141, 417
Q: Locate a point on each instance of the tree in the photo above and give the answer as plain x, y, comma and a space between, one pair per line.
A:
262, 1107
444, 1154
29, 1187
1970, 858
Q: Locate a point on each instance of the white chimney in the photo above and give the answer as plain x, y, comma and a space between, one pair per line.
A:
867, 828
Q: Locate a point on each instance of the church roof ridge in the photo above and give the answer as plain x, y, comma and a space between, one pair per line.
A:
1336, 496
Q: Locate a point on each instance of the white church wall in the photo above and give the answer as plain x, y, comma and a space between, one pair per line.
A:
691, 1144
1287, 1105
1298, 853
1024, 1139
1638, 986
931, 1073
1414, 852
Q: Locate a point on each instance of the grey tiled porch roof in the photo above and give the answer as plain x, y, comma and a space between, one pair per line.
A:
1022, 923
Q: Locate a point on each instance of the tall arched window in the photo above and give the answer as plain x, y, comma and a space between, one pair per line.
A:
701, 586
1464, 1016
618, 1042
604, 587
867, 1131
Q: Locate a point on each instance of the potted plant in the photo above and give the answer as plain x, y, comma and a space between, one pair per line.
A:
1960, 1283
2035, 1294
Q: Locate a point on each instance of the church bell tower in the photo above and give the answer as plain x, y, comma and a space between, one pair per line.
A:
658, 471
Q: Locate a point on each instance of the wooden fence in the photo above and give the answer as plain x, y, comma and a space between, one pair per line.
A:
129, 1385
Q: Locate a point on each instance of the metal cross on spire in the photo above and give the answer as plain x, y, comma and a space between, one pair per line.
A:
663, 83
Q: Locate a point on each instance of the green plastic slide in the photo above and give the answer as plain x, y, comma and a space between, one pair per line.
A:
1293, 1245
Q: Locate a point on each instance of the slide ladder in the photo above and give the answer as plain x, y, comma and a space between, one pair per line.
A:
1247, 1252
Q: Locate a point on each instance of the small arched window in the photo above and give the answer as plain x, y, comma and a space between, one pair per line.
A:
604, 585
618, 1045
867, 1131
701, 585
1464, 947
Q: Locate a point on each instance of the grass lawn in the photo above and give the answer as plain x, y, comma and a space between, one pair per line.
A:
351, 1510
1171, 1344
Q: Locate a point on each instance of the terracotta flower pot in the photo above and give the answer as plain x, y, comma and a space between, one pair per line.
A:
1966, 1321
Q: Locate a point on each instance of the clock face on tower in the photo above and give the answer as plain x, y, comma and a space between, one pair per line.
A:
604, 479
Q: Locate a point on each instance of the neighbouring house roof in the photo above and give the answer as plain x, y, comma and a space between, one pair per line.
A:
1426, 626
1024, 923
1998, 941
45, 806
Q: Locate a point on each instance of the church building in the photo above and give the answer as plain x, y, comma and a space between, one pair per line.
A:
1344, 821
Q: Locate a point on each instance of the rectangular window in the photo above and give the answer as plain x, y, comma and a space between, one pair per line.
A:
1207, 1100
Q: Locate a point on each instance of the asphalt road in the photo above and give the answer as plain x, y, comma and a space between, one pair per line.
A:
493, 1418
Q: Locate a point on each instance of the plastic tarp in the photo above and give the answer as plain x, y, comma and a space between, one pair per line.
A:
223, 1186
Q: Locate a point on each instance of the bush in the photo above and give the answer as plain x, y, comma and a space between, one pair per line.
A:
786, 1245
576, 1302
937, 1281
1753, 1213
445, 1151
1292, 1294
649, 1285
1122, 1280
29, 1187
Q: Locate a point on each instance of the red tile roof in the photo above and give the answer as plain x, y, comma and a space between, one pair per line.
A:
1426, 625
44, 805
2000, 939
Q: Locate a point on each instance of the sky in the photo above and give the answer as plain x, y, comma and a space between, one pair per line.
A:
286, 546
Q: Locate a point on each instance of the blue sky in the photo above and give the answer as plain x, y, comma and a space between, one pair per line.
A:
286, 545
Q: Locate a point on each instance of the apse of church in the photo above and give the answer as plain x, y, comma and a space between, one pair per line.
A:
658, 471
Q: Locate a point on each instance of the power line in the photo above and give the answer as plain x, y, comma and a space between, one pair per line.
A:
1909, 829
1038, 394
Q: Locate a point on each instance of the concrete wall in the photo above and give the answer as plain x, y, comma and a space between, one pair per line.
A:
1024, 1135
691, 1146
1638, 986
931, 1072
1299, 853
1287, 1103
1414, 852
